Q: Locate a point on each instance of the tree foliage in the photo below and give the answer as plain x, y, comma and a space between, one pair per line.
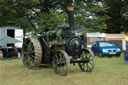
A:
94, 15
114, 12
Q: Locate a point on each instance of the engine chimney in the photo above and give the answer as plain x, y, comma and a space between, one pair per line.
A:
70, 10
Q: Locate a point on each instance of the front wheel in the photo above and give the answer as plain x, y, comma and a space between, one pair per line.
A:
61, 63
89, 58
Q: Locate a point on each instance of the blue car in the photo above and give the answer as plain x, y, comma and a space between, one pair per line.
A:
105, 48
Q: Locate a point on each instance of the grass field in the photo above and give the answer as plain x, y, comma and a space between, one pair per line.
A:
108, 71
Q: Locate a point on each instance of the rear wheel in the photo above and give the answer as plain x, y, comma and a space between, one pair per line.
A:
31, 53
89, 64
61, 63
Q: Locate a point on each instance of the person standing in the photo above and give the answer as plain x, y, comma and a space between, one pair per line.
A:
126, 43
15, 52
126, 52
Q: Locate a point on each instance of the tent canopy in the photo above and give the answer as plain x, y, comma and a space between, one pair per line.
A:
8, 39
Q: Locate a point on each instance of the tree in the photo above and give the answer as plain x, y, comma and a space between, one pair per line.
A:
109, 16
118, 14
17, 12
95, 15
12, 14
92, 14
114, 12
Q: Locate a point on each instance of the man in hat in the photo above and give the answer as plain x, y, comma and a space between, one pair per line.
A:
126, 52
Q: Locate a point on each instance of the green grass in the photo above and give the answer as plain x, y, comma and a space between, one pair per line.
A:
108, 71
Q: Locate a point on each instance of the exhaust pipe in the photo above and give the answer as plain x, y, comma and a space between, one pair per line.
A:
70, 10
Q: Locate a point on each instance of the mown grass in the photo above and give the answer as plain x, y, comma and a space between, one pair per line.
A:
108, 71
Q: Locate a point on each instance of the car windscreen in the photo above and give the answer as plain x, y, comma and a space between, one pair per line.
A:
105, 44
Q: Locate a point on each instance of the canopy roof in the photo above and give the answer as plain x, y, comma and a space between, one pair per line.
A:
8, 39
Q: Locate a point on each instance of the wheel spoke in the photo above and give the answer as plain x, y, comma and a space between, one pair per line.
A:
30, 46
88, 68
57, 60
90, 63
33, 56
28, 59
83, 55
26, 44
58, 68
83, 65
26, 54
89, 57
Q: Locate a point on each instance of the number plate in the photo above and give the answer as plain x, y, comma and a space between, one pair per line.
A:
112, 53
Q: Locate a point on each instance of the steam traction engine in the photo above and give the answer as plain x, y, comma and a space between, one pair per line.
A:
58, 48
